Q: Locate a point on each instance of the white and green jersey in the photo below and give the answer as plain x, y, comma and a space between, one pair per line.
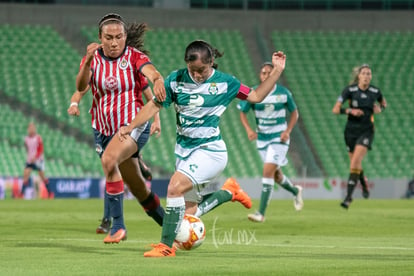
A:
199, 107
270, 115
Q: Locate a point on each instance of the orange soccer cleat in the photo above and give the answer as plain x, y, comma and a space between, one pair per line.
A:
160, 250
118, 236
239, 195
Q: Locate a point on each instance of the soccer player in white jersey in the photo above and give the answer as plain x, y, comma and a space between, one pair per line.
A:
35, 158
200, 95
273, 137
113, 71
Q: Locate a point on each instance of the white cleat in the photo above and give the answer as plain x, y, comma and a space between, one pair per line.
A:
298, 200
256, 217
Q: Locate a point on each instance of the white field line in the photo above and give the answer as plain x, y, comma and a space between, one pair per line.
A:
147, 242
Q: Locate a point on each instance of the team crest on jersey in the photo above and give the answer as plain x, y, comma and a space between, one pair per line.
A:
213, 89
354, 103
111, 83
123, 64
269, 108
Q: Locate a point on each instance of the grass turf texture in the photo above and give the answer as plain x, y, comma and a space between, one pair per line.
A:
57, 237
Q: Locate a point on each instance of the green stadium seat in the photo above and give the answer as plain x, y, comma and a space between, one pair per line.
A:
335, 53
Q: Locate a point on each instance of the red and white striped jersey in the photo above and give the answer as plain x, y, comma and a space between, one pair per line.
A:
117, 86
34, 148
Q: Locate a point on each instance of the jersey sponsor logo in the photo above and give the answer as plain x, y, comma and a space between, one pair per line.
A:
184, 121
364, 96
213, 89
123, 64
196, 100
111, 83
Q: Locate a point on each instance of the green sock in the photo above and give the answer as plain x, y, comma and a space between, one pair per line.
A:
215, 199
287, 185
265, 197
174, 213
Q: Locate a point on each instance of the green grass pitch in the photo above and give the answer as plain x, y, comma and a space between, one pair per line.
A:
57, 237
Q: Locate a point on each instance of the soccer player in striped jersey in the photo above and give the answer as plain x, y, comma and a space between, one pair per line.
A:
35, 158
273, 137
101, 141
114, 72
200, 95
359, 130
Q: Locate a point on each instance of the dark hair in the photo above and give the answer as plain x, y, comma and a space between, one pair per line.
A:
199, 49
135, 32
267, 63
111, 18
135, 36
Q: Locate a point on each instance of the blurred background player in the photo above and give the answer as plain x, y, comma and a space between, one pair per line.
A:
201, 94
359, 130
117, 73
273, 137
35, 160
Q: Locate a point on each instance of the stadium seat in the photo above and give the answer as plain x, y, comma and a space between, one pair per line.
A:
334, 54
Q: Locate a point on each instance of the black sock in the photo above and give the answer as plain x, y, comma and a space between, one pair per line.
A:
362, 180
352, 181
153, 208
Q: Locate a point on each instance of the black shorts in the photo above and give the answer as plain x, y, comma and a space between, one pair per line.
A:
101, 141
364, 139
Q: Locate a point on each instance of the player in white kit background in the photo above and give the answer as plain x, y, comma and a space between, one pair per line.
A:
35, 158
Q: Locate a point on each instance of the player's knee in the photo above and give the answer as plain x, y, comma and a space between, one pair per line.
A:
108, 162
176, 189
278, 175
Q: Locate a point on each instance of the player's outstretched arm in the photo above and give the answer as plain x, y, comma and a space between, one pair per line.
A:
156, 124
279, 62
157, 80
148, 111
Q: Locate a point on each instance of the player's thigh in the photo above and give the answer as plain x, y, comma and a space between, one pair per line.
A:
366, 139
118, 151
27, 171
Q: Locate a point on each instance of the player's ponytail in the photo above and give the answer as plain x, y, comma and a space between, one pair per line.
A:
135, 36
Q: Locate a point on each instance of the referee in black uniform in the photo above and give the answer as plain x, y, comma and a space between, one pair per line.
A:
359, 131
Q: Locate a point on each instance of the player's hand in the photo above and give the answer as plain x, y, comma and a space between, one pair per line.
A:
90, 50
123, 132
252, 135
279, 61
356, 112
285, 136
155, 128
377, 109
159, 90
73, 110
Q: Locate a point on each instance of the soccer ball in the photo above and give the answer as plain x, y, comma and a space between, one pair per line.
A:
191, 233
